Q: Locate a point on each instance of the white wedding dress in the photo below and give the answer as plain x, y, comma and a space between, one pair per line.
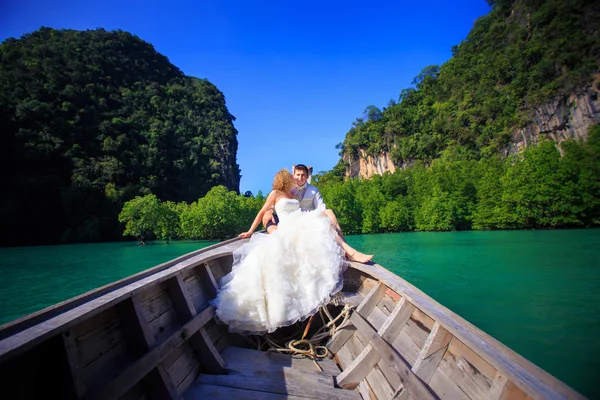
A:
284, 277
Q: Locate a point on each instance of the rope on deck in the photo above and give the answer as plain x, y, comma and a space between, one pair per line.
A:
309, 347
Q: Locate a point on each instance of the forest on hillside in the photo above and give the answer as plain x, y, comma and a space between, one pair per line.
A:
520, 55
92, 119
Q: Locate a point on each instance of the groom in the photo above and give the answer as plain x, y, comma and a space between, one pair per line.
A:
308, 195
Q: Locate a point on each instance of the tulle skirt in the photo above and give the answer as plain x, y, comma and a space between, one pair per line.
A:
282, 278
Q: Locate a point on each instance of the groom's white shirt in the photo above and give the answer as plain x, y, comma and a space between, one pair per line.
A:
309, 197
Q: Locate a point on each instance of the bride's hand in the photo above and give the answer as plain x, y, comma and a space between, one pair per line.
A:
245, 235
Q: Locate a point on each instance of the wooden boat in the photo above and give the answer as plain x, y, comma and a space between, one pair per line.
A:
153, 335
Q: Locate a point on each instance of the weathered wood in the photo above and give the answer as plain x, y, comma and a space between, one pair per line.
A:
285, 381
216, 270
387, 304
163, 326
512, 392
189, 379
141, 322
240, 358
212, 361
181, 299
365, 308
406, 347
164, 384
376, 383
348, 298
152, 358
415, 387
369, 357
530, 378
432, 352
211, 278
498, 385
76, 369
185, 362
376, 318
214, 392
444, 388
467, 370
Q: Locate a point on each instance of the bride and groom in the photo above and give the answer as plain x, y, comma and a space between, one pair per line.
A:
287, 275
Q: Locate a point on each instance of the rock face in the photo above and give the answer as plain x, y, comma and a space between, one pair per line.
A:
566, 117
366, 166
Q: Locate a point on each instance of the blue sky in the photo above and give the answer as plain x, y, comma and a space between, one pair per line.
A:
295, 74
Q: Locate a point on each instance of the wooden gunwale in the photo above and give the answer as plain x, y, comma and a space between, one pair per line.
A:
30, 336
35, 318
534, 381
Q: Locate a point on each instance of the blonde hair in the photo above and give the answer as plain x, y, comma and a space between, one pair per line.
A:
283, 180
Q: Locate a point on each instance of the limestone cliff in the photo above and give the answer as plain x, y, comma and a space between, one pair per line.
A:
566, 117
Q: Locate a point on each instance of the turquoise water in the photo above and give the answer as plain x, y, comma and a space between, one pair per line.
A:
37, 277
535, 291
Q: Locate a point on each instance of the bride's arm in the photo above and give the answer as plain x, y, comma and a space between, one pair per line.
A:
268, 204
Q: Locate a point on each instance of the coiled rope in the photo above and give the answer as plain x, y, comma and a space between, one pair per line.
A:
309, 347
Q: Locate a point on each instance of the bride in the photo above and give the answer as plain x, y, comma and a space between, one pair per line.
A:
287, 276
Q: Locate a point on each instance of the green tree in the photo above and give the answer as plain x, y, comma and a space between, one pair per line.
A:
141, 216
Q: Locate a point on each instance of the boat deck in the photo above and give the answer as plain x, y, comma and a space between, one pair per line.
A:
257, 374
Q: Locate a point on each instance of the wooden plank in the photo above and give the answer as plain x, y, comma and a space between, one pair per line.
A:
377, 384
214, 392
163, 326
458, 348
285, 381
159, 380
152, 358
432, 353
164, 384
73, 359
498, 385
415, 387
512, 392
406, 347
189, 379
156, 305
141, 322
240, 358
444, 388
417, 332
181, 299
365, 308
369, 357
343, 358
216, 271
181, 367
212, 361
376, 318
211, 278
387, 304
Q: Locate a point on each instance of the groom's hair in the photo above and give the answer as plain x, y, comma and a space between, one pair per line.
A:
301, 167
